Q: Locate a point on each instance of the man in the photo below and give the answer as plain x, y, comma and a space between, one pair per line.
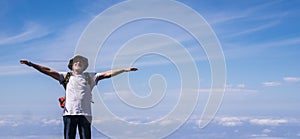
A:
77, 110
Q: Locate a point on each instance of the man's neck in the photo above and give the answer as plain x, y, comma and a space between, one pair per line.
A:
76, 73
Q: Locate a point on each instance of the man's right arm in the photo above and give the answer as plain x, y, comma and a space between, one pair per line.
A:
52, 73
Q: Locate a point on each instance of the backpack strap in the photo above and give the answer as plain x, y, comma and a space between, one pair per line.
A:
62, 99
66, 80
88, 78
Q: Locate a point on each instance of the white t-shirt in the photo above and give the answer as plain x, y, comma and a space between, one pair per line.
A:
79, 94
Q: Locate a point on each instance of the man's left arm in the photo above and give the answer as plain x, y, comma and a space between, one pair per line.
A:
115, 72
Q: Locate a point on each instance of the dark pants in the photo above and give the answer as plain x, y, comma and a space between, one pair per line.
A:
71, 122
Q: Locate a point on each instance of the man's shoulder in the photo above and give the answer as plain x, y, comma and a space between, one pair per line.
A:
91, 74
63, 72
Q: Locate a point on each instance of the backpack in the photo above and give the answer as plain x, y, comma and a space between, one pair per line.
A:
62, 99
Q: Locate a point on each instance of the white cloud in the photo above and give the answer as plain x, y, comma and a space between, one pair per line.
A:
51, 121
271, 83
266, 131
6, 122
230, 121
291, 79
239, 88
166, 122
260, 136
222, 122
238, 121
229, 89
241, 85
27, 120
269, 122
286, 79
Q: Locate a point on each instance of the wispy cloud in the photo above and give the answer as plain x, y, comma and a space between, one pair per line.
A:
230, 121
53, 52
230, 25
285, 79
240, 120
253, 30
13, 70
7, 70
31, 31
240, 89
269, 122
251, 13
291, 79
271, 83
27, 120
46, 121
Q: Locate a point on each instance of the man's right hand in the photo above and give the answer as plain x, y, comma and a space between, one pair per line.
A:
26, 62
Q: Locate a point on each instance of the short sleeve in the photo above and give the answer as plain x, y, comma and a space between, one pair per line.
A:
97, 75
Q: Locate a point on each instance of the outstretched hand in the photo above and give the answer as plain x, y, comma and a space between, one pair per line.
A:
131, 69
26, 62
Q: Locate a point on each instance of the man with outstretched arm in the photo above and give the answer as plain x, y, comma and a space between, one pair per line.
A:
77, 109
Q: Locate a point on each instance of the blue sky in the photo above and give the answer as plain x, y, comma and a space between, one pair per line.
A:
260, 41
